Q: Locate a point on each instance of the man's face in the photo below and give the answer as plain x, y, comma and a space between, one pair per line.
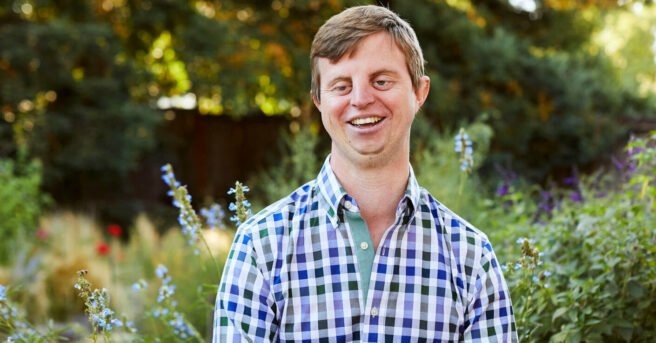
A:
368, 102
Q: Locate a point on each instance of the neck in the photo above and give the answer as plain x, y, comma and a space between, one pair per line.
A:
377, 189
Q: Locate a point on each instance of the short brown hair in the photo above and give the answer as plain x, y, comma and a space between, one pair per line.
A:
345, 30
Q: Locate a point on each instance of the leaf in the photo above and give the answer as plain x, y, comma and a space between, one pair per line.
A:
626, 333
559, 313
560, 337
636, 290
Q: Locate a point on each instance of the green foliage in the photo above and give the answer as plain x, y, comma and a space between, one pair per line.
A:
301, 161
80, 82
437, 166
551, 105
16, 328
21, 205
602, 252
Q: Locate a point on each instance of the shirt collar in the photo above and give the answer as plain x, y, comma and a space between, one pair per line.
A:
333, 193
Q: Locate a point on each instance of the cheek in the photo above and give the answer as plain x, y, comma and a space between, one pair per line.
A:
333, 110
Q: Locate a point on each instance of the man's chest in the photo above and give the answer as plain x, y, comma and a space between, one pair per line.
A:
412, 294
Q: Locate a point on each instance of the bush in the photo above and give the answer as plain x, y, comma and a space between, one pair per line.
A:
600, 246
21, 205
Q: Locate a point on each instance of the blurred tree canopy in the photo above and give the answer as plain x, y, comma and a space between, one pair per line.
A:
81, 80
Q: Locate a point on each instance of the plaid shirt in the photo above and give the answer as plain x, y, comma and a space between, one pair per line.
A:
291, 275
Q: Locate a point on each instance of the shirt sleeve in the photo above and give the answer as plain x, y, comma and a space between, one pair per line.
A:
490, 315
245, 306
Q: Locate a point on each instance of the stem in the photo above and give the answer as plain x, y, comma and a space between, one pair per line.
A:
209, 251
461, 187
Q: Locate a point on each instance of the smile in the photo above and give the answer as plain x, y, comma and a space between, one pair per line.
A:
368, 121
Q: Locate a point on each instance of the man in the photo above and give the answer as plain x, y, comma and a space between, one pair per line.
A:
363, 253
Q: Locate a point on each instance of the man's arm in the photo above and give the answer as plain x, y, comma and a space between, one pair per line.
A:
245, 304
489, 311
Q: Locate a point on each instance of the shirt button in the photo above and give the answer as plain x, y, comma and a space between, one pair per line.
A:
374, 312
364, 245
348, 205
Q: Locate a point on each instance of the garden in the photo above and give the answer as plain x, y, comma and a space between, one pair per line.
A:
135, 136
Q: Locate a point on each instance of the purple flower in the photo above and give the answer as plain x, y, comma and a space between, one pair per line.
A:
576, 197
503, 190
617, 162
635, 150
570, 180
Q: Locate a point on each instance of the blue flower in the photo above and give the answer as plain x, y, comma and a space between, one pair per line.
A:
232, 207
547, 285
136, 286
245, 189
547, 273
231, 191
535, 279
163, 168
246, 203
161, 271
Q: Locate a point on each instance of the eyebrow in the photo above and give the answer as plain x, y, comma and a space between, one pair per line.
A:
384, 71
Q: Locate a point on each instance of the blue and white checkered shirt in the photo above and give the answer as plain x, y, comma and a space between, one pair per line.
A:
292, 275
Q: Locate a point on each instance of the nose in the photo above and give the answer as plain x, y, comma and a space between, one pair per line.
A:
361, 95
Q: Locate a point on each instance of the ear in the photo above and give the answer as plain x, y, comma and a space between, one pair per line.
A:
317, 103
422, 90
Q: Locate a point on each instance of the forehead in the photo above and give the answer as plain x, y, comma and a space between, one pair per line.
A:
373, 53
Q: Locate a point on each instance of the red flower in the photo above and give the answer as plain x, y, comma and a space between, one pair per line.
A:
114, 230
42, 234
102, 248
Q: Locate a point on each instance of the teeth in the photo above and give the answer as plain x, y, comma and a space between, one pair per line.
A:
368, 120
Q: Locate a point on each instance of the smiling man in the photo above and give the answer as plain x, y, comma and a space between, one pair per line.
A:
362, 253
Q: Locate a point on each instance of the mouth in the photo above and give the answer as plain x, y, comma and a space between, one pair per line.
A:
366, 122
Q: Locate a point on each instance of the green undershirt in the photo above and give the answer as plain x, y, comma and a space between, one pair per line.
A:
365, 257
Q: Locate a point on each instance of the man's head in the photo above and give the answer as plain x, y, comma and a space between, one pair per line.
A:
343, 32
368, 83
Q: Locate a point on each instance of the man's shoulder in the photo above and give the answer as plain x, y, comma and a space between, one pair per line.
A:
457, 229
274, 219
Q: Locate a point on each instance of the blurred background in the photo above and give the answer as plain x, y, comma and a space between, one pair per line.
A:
97, 95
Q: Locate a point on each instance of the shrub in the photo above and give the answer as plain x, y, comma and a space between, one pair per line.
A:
601, 247
21, 205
